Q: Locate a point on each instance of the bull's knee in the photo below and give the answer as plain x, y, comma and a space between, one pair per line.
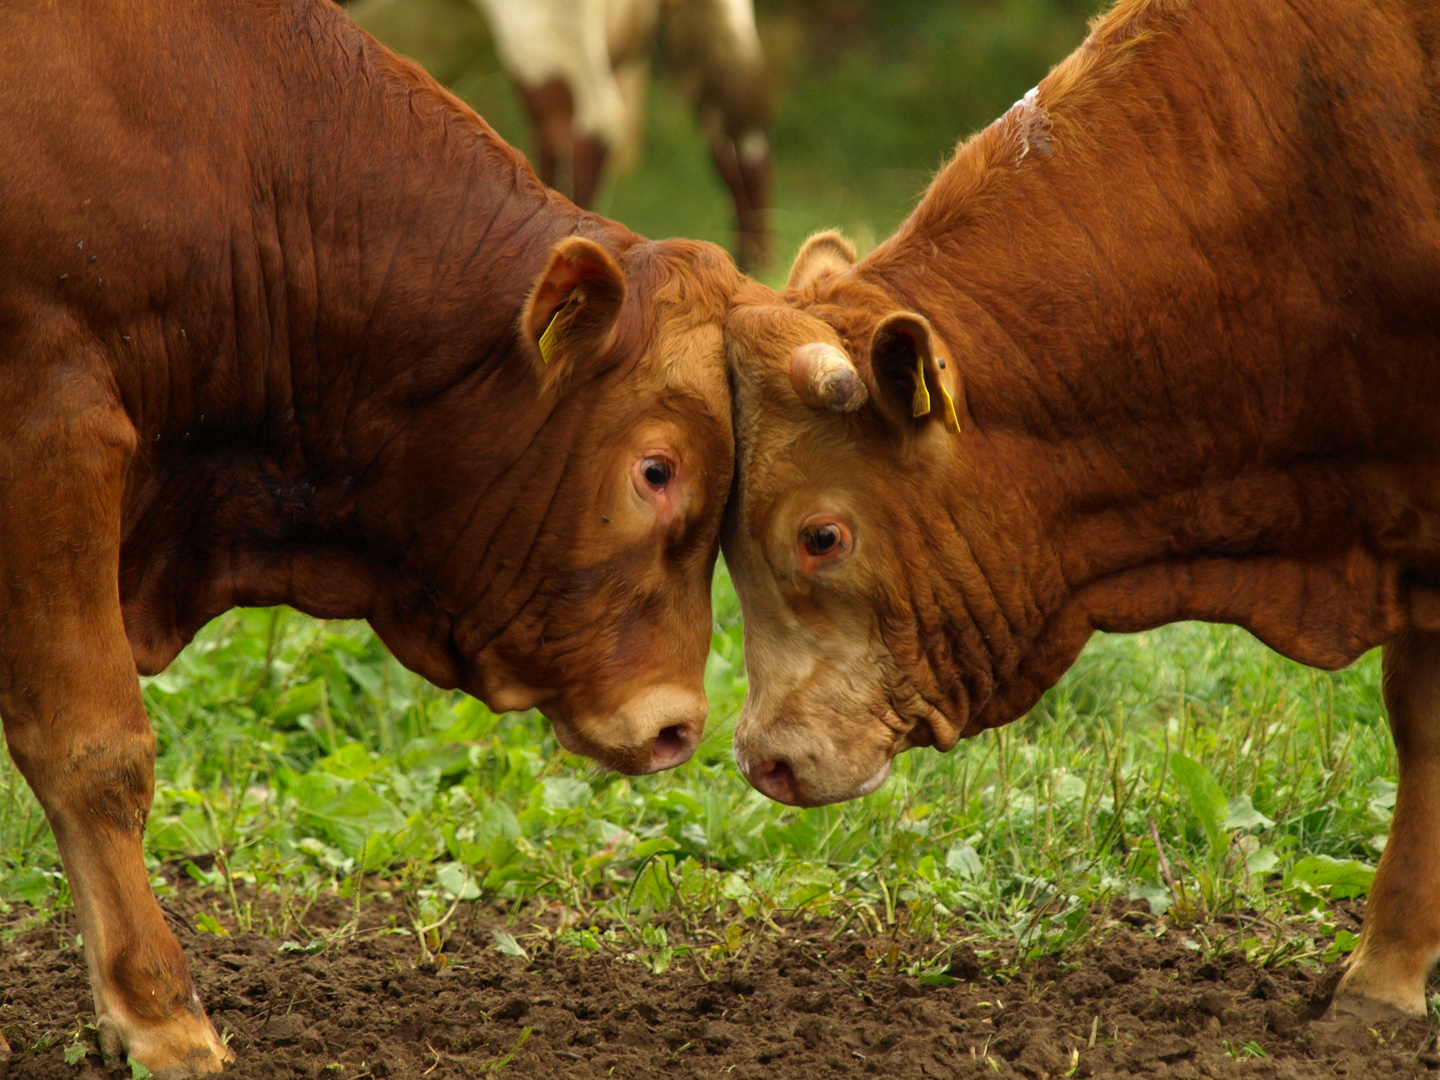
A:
118, 779
99, 779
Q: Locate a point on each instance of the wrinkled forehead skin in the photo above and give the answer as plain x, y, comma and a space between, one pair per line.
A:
606, 613
837, 679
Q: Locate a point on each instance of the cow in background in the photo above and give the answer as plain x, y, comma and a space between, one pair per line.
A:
1161, 343
582, 67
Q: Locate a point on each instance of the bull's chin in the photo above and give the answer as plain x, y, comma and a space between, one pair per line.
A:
670, 749
502, 695
875, 783
809, 796
621, 761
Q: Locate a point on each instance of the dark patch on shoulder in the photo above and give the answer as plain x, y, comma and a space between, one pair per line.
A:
1320, 95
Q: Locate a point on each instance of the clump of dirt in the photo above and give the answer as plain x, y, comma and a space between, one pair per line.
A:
811, 1002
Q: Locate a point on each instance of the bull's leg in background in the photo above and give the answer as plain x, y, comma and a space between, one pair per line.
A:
1401, 937
565, 160
744, 163
717, 60
552, 111
74, 720
587, 165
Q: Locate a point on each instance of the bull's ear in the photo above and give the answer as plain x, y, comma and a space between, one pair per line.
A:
824, 253
573, 307
914, 383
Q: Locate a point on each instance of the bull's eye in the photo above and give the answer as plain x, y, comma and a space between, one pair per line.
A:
825, 544
657, 472
822, 540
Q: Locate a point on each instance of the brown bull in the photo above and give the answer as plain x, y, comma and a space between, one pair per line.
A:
1161, 343
283, 322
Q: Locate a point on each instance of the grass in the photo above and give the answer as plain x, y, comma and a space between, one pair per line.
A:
297, 757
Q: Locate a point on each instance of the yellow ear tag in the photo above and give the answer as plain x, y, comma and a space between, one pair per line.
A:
556, 330
952, 422
920, 406
551, 337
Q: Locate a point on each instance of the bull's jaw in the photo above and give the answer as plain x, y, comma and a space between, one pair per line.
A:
827, 709
816, 727
654, 725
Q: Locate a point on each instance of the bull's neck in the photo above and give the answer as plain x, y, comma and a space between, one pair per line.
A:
1156, 296
373, 398
422, 233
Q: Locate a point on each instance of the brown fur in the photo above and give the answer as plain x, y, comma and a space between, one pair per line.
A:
1189, 293
269, 304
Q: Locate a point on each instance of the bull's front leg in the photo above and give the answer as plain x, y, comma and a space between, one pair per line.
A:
75, 723
1401, 937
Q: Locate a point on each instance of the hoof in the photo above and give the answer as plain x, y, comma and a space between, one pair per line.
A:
1370, 993
177, 1049
1368, 1010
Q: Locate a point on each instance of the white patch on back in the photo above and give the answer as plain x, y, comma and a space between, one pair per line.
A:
1031, 126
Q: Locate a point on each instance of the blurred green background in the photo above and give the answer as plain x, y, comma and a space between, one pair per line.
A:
873, 96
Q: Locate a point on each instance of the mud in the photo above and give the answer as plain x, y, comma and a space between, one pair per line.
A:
812, 1001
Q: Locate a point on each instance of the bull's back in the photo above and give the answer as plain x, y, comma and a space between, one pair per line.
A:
131, 163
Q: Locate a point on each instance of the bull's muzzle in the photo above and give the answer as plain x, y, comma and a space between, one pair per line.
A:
656, 729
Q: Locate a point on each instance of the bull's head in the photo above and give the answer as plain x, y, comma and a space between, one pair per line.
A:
848, 413
569, 505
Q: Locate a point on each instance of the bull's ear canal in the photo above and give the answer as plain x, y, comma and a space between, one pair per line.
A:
823, 254
914, 382
573, 307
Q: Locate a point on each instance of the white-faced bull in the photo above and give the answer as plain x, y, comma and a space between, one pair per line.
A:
1161, 343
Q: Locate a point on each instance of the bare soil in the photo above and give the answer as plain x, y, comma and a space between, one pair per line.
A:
811, 1002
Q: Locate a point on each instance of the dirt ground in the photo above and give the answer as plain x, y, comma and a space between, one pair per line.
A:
812, 1003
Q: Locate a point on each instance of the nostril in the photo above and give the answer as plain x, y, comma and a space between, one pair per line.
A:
670, 741
776, 780
672, 746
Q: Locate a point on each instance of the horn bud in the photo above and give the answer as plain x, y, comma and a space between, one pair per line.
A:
823, 377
